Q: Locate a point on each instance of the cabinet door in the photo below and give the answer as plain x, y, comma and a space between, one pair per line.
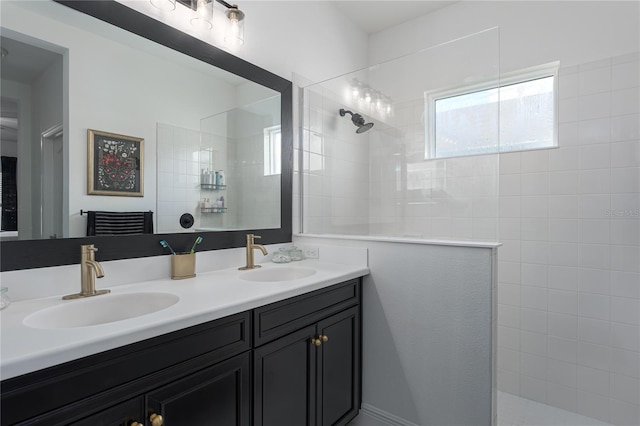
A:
124, 414
285, 381
338, 399
218, 395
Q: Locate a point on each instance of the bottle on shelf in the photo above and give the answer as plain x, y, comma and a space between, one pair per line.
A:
206, 177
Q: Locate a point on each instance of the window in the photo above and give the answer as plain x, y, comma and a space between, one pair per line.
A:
272, 150
517, 114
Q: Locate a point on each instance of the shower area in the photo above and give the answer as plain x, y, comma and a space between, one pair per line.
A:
405, 149
223, 176
369, 167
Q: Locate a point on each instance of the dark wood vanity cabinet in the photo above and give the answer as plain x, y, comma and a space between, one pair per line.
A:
124, 414
124, 385
338, 369
127, 413
219, 373
218, 395
311, 376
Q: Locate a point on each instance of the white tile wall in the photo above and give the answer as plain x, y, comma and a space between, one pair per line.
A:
178, 164
335, 171
569, 282
378, 183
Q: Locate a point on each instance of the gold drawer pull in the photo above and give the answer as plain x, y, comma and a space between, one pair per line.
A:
316, 342
324, 338
156, 419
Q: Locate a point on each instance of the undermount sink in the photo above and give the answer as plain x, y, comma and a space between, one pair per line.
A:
100, 310
282, 273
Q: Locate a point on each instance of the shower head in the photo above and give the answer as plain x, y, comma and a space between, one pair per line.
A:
357, 120
364, 128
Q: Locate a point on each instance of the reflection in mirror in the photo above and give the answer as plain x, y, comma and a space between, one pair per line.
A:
227, 175
31, 141
138, 89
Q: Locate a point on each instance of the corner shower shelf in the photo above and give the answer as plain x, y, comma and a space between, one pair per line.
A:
213, 209
213, 187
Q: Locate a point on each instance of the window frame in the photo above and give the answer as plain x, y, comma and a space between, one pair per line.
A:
272, 164
507, 79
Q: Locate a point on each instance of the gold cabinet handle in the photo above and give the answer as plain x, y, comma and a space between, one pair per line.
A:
136, 424
156, 419
321, 339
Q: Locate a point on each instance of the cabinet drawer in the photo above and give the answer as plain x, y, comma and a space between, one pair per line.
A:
56, 387
219, 395
280, 318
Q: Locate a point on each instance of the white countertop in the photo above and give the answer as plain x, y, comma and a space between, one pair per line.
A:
207, 297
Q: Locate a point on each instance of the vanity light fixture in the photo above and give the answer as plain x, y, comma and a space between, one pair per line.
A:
234, 33
203, 14
369, 99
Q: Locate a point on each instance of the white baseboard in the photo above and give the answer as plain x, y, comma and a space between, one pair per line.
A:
384, 416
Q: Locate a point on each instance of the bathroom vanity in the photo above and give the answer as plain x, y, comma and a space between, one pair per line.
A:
293, 358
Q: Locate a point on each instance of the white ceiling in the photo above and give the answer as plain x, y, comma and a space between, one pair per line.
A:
372, 16
24, 62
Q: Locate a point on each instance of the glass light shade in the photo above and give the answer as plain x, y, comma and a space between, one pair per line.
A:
355, 89
367, 95
234, 33
164, 4
377, 101
203, 15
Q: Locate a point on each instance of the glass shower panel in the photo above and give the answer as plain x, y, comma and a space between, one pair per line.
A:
241, 150
383, 181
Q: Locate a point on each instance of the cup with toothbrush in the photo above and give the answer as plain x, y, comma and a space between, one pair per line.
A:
183, 265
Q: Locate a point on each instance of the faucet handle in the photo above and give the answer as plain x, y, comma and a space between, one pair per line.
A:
89, 247
251, 237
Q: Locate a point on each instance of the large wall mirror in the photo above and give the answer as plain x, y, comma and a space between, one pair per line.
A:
207, 135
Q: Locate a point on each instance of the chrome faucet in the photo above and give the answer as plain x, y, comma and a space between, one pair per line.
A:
90, 269
251, 246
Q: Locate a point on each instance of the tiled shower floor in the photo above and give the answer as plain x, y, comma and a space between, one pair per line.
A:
516, 411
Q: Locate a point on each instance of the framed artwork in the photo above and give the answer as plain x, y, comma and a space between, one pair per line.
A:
115, 164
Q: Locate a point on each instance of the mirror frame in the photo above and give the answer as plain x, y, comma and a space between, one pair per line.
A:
28, 254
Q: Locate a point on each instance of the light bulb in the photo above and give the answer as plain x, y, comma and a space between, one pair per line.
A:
202, 8
367, 95
378, 102
204, 14
234, 28
355, 88
234, 34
